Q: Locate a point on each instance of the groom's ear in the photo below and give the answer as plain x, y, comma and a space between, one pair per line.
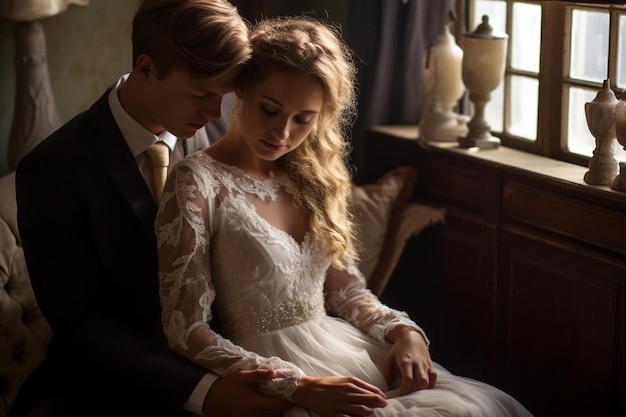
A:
144, 66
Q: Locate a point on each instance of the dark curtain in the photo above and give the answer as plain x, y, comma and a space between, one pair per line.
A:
390, 39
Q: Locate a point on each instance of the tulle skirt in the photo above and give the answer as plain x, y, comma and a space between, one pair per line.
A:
329, 346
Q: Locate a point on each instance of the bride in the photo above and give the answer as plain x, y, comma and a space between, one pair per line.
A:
257, 229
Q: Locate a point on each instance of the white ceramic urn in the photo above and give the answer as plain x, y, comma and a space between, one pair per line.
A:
600, 114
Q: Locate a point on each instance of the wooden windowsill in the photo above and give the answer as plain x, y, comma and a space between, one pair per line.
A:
510, 158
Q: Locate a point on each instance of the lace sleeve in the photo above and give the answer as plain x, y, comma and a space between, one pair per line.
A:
348, 298
183, 229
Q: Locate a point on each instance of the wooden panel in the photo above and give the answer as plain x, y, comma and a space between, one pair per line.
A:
466, 186
444, 176
621, 368
547, 210
561, 323
526, 234
454, 303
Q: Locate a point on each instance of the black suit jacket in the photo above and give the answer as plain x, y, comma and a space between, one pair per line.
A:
86, 219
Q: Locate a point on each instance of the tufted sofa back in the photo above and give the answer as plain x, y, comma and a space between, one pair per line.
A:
24, 332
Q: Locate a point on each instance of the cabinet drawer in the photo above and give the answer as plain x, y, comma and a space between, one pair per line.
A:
580, 220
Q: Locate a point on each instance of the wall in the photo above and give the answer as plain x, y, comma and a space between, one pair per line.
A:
335, 11
88, 49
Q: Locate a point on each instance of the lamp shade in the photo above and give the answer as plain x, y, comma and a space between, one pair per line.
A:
29, 10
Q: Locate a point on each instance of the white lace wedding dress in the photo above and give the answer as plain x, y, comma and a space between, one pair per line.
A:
277, 306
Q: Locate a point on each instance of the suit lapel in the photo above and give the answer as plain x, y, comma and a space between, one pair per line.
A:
119, 161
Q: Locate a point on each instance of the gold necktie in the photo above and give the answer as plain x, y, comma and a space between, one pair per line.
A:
159, 154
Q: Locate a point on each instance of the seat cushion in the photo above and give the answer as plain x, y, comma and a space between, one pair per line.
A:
385, 219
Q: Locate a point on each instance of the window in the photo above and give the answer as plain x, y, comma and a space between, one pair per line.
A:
559, 54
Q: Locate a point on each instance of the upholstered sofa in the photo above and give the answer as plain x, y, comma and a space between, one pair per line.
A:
24, 332
383, 211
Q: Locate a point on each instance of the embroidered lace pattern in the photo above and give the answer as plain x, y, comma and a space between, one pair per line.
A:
217, 252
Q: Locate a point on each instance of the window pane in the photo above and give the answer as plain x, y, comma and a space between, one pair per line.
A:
523, 107
620, 152
589, 45
580, 140
496, 10
526, 37
621, 52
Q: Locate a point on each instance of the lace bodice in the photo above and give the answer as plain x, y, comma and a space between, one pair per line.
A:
217, 253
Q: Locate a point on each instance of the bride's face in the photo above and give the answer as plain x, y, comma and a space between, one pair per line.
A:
277, 113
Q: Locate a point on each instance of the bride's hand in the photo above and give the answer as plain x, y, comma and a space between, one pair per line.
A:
338, 396
409, 355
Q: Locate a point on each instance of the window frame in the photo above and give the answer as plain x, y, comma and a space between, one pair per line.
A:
553, 76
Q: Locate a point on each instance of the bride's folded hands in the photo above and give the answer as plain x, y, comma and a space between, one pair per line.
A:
409, 355
338, 396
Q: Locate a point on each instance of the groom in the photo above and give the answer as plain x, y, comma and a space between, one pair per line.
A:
86, 211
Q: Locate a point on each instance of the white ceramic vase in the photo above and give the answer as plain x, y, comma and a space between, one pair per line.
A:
600, 114
444, 88
484, 64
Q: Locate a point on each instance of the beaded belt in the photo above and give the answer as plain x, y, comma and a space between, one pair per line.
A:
282, 315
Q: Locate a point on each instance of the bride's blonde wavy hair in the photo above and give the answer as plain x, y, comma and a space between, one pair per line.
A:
319, 166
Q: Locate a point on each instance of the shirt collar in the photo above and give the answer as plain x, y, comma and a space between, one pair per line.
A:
136, 136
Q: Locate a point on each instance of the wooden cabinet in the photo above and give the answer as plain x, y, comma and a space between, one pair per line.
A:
524, 286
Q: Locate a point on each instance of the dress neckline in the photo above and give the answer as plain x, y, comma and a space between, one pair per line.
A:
240, 172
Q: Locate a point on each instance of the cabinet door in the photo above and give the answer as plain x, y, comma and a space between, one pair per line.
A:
445, 280
561, 304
